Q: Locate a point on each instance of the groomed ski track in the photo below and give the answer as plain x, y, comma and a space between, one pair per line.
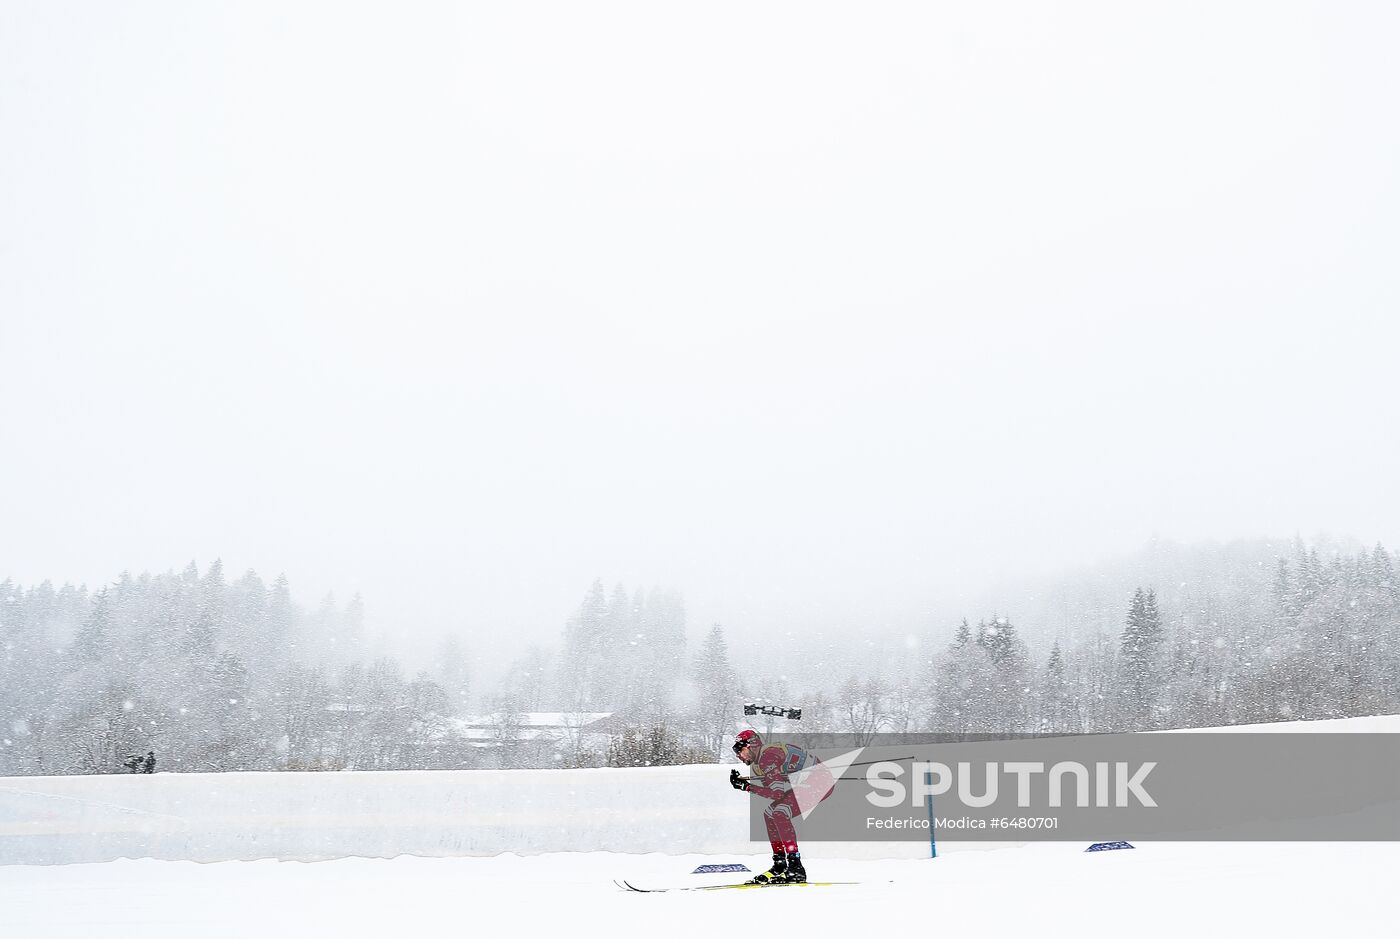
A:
1156, 890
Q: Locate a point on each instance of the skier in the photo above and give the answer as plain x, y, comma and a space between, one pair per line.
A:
774, 763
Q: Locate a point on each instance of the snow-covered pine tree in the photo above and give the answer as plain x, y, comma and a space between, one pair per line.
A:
1138, 663
717, 692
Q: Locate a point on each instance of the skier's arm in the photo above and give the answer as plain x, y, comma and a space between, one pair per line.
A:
766, 787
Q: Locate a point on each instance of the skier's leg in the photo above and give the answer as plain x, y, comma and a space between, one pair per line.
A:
783, 836
778, 838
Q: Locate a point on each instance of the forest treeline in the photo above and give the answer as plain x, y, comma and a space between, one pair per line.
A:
219, 675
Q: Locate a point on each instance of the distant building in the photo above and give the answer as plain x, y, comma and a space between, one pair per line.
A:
563, 730
514, 739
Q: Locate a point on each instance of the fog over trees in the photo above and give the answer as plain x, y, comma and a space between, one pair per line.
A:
221, 674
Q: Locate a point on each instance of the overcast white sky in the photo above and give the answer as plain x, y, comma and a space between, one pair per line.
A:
822, 313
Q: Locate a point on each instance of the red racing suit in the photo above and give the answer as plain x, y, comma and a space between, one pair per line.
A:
771, 779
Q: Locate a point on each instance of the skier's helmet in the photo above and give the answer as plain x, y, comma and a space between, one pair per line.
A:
747, 738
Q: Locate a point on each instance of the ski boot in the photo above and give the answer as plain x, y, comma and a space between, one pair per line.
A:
778, 875
796, 873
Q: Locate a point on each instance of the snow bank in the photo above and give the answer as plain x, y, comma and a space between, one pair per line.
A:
312, 816
316, 816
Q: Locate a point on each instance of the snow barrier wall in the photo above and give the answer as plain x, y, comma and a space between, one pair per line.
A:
316, 816
313, 816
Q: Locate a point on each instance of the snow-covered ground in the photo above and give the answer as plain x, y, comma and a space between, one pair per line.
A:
1176, 890
1156, 889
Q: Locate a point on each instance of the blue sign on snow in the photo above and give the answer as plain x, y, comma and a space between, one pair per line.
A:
1108, 846
720, 869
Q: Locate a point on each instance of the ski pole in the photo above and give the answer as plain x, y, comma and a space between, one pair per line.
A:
893, 759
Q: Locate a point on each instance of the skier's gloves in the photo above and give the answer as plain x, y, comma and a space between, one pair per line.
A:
738, 782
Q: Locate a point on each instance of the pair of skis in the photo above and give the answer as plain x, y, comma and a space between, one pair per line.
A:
744, 886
